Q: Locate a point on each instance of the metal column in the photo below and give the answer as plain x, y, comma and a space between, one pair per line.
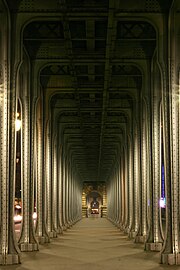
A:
27, 241
41, 229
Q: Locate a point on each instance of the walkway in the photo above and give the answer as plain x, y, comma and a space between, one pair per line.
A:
92, 244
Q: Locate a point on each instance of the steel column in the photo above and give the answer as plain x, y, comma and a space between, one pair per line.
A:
41, 230
170, 253
54, 186
131, 189
154, 241
9, 251
27, 241
60, 175
48, 179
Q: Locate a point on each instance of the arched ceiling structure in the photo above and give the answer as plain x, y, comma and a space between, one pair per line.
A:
93, 57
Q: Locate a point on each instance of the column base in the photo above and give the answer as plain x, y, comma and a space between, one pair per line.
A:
72, 223
60, 230
140, 239
28, 247
122, 228
115, 222
43, 239
171, 259
153, 246
126, 230
53, 234
10, 259
132, 234
64, 227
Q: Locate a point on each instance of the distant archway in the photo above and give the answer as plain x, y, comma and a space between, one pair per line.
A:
94, 199
94, 202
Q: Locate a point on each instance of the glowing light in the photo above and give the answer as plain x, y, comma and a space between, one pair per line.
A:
34, 215
18, 124
94, 211
18, 206
18, 218
162, 202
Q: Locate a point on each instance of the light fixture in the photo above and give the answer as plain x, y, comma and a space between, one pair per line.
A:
18, 122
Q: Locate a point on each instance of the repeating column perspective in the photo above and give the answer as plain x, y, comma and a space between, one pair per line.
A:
89, 122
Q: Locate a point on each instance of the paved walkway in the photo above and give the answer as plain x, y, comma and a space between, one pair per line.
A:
92, 244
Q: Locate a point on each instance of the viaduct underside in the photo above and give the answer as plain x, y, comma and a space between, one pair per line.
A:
89, 108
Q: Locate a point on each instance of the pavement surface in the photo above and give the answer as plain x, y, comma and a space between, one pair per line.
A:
91, 244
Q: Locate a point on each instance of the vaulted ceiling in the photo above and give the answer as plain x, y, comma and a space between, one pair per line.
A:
93, 56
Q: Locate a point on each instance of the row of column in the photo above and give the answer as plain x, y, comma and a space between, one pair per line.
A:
135, 187
49, 180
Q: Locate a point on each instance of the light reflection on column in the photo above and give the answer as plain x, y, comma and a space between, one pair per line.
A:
18, 203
